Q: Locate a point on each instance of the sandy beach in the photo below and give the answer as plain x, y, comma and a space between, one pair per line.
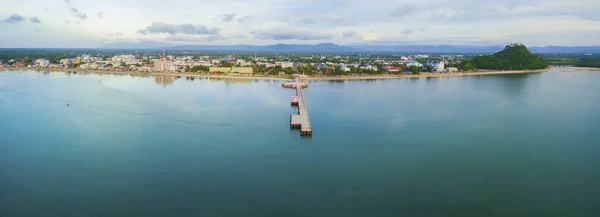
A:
584, 68
283, 78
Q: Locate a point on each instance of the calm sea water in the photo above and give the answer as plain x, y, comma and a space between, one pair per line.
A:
507, 145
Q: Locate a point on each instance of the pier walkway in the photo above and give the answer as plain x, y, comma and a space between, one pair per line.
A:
301, 120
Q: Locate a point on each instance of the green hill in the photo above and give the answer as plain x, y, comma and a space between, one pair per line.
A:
513, 57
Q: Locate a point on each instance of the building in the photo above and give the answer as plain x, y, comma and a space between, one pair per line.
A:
451, 69
239, 70
132, 61
202, 63
392, 69
287, 64
243, 63
243, 70
164, 64
66, 62
437, 65
41, 62
220, 69
369, 67
414, 63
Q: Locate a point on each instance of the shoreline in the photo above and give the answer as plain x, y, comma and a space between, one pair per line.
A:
586, 68
286, 78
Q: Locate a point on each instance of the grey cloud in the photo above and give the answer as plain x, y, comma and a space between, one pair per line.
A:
406, 31
469, 10
324, 19
194, 38
239, 36
289, 34
37, 30
68, 1
405, 10
34, 20
15, 18
172, 29
349, 34
100, 14
74, 12
116, 34
227, 17
244, 18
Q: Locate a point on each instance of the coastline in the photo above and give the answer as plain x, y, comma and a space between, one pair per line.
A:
286, 78
424, 75
586, 68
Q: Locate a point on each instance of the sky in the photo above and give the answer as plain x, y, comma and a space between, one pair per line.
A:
90, 24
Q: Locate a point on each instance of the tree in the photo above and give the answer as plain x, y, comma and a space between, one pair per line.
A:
226, 64
416, 70
188, 68
468, 66
429, 68
199, 68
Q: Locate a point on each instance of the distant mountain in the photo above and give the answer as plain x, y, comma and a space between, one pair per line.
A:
136, 45
429, 48
563, 49
330, 47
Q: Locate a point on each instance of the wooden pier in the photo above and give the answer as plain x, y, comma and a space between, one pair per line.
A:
301, 120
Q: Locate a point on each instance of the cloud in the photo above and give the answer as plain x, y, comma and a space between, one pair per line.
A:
227, 17
370, 36
34, 19
323, 19
405, 10
290, 34
74, 12
15, 18
68, 1
172, 29
37, 30
244, 18
194, 38
349, 34
100, 14
406, 31
119, 34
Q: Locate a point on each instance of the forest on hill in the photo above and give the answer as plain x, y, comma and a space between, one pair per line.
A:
512, 57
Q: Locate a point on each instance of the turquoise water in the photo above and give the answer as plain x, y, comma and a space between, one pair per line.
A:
506, 145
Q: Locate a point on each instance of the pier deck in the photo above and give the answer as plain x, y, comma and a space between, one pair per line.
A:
301, 120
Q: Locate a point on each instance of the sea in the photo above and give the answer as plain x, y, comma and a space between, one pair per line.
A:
84, 144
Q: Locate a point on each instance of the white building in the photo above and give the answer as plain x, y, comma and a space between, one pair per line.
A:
243, 63
369, 67
132, 61
414, 63
202, 63
164, 65
66, 62
286, 64
437, 65
42, 62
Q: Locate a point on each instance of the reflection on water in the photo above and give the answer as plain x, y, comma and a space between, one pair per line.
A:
232, 80
165, 80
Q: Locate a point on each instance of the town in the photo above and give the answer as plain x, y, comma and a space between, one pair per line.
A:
242, 64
